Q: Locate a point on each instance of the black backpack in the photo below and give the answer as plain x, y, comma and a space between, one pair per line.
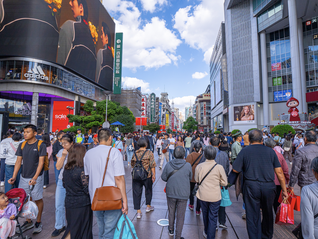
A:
139, 172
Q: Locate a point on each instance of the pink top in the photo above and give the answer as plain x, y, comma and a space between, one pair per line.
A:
284, 166
206, 141
279, 149
49, 151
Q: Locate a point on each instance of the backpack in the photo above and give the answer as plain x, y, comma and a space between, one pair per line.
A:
139, 172
46, 158
125, 229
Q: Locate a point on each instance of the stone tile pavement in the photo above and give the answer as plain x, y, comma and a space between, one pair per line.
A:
147, 227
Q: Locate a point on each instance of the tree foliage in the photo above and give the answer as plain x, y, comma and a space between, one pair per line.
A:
95, 116
153, 128
283, 129
190, 124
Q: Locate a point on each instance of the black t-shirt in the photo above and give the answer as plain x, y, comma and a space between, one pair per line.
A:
30, 158
257, 162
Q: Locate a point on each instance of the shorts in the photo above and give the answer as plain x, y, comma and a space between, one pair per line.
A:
37, 192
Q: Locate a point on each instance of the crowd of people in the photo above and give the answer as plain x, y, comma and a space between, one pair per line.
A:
198, 168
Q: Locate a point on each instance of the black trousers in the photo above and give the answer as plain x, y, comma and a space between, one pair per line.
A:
276, 203
198, 207
137, 187
259, 195
222, 216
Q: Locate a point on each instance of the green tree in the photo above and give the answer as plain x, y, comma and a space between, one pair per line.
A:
153, 128
190, 125
127, 120
283, 129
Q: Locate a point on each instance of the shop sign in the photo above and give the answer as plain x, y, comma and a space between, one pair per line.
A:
152, 107
60, 112
276, 66
204, 109
225, 111
36, 73
26, 109
172, 120
60, 117
143, 106
160, 108
277, 81
282, 95
167, 121
308, 23
118, 63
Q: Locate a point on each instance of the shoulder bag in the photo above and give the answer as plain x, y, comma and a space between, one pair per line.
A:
298, 232
172, 173
107, 198
196, 187
196, 160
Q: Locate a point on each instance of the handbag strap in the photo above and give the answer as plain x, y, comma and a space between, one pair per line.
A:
207, 174
106, 166
174, 171
196, 160
137, 159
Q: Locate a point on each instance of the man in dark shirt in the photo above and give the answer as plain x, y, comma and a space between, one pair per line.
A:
258, 164
32, 154
39, 134
56, 148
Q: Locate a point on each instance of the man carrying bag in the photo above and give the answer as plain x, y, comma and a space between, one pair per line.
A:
105, 168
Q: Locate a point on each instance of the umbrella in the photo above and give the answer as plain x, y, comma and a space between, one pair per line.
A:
117, 123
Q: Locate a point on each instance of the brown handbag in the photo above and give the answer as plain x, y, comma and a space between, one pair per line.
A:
107, 198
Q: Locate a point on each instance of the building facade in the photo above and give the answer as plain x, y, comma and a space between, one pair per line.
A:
271, 56
202, 109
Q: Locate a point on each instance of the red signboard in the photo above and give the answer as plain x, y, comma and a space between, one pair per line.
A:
276, 66
143, 121
60, 121
204, 109
172, 120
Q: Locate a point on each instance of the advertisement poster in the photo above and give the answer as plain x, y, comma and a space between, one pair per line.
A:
172, 120
144, 106
167, 121
277, 81
276, 66
244, 114
118, 63
282, 95
60, 112
160, 108
78, 34
152, 107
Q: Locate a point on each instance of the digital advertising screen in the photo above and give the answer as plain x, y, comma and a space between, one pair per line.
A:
78, 34
244, 114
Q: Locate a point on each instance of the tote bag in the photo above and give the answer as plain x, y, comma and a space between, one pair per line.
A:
225, 201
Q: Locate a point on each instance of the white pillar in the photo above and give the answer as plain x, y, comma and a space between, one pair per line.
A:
302, 65
264, 78
35, 108
294, 50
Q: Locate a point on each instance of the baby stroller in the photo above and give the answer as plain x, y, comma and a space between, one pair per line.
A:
18, 197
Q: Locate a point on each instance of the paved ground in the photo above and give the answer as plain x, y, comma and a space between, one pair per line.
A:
147, 227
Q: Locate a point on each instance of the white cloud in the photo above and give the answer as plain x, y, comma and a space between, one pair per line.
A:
207, 55
182, 102
150, 5
199, 75
151, 45
199, 25
132, 82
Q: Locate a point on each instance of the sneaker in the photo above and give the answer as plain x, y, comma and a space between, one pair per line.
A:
204, 234
171, 233
198, 213
149, 209
44, 187
243, 215
37, 229
27, 226
190, 207
160, 168
223, 226
57, 232
2, 184
139, 215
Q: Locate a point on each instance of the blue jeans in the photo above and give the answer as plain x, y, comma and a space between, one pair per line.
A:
56, 172
210, 217
9, 173
129, 155
107, 222
3, 168
187, 152
171, 154
60, 192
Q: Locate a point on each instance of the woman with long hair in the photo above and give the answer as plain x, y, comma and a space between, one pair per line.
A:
247, 113
79, 215
179, 142
60, 220
49, 150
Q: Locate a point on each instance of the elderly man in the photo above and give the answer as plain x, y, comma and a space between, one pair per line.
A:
301, 170
259, 164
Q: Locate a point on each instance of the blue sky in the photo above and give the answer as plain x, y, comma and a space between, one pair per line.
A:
167, 44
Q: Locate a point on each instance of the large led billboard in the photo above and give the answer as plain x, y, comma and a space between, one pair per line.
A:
78, 34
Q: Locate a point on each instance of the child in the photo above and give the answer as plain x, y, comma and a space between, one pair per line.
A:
7, 215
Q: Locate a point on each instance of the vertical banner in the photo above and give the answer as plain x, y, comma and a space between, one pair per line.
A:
167, 121
144, 106
118, 63
152, 107
160, 108
172, 120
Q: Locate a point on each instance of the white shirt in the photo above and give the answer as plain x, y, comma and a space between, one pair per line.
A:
172, 140
302, 143
159, 144
4, 147
94, 167
59, 155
